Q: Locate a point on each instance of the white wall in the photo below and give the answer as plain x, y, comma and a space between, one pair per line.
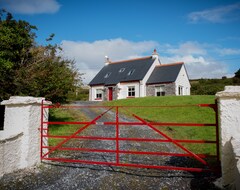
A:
92, 92
124, 89
182, 80
229, 112
20, 138
143, 87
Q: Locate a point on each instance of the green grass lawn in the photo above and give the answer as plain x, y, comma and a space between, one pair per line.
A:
187, 114
63, 115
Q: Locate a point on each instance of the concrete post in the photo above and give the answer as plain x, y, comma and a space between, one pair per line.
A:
20, 138
229, 110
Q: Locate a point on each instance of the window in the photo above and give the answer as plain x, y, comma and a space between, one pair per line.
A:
99, 93
131, 72
131, 91
180, 90
160, 90
121, 70
107, 75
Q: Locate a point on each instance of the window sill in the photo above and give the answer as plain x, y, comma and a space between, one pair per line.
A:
131, 97
98, 99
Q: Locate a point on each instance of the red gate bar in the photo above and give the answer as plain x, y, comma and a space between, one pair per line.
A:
77, 132
133, 165
132, 139
117, 151
129, 152
173, 141
132, 123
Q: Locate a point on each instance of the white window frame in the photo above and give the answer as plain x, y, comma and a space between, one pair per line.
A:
131, 91
121, 70
131, 72
107, 75
180, 90
99, 94
160, 90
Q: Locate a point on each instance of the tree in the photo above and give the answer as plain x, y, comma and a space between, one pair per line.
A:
237, 74
16, 39
47, 75
30, 69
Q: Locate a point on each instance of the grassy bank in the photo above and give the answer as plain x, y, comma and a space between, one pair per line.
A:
190, 113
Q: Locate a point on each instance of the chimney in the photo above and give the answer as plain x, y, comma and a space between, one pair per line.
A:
155, 54
107, 60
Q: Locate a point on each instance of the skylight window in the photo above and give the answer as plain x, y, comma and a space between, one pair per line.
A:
121, 70
131, 72
107, 75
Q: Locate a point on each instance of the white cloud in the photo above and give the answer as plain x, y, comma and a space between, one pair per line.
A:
198, 66
89, 56
187, 48
31, 6
228, 51
217, 15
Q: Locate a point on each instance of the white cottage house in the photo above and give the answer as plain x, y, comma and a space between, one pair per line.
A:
139, 77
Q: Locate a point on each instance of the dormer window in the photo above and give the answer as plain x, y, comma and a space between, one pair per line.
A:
107, 75
131, 72
121, 70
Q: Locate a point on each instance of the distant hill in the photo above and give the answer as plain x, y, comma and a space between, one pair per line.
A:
211, 86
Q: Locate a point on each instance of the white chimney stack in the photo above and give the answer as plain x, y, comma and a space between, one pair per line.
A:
155, 54
107, 60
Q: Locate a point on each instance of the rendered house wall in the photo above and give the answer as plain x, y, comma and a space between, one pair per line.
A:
182, 80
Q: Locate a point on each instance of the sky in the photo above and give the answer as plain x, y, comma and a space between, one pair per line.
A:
204, 34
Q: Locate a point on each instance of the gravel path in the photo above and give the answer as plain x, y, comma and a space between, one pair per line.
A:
80, 176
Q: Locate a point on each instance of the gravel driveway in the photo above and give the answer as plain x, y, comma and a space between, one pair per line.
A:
79, 176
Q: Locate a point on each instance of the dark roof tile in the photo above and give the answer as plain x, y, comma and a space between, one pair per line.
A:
134, 70
165, 73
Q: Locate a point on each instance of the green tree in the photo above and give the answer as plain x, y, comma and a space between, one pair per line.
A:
237, 74
30, 69
47, 75
16, 39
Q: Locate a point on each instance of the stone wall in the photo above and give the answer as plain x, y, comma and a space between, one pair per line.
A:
106, 92
20, 137
169, 89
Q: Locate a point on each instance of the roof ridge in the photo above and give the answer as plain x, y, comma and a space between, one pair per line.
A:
128, 60
169, 64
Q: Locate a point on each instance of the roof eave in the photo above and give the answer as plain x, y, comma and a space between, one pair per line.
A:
168, 82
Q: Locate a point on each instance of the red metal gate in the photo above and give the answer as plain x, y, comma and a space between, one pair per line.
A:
115, 121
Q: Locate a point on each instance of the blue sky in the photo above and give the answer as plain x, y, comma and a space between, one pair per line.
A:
204, 34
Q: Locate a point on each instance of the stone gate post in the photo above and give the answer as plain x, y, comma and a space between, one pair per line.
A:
229, 117
20, 137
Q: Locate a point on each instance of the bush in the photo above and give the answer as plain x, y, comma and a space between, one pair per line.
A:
211, 86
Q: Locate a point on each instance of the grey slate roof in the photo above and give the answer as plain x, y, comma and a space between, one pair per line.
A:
139, 66
165, 73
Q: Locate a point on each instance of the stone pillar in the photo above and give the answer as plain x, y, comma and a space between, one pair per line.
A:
229, 112
20, 138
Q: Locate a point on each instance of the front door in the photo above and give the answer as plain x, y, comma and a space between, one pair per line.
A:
110, 93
